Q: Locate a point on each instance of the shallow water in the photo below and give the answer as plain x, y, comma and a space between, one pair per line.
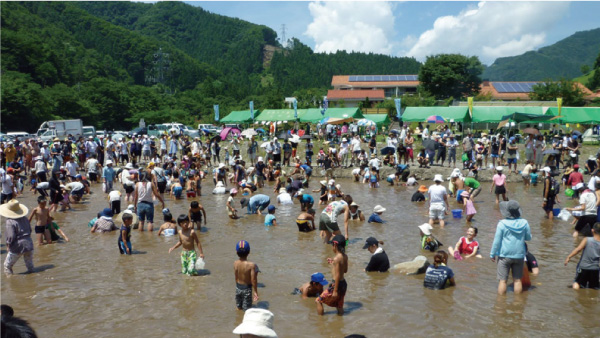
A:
86, 288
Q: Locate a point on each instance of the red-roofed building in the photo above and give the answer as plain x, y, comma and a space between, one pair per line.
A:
356, 88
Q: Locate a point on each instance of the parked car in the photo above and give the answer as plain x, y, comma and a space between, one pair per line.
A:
212, 129
138, 131
179, 129
157, 129
20, 134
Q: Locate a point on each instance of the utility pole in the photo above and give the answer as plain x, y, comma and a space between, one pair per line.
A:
283, 39
160, 71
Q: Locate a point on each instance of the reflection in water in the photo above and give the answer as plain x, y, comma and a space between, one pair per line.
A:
86, 288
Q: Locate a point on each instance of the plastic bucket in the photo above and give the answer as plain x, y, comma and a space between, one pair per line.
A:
556, 211
457, 213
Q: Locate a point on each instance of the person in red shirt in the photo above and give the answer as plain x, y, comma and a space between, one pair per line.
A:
575, 178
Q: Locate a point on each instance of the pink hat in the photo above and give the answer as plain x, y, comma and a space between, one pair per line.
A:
233, 191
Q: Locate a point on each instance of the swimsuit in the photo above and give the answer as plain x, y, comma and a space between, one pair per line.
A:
169, 232
188, 262
177, 191
40, 229
303, 225
243, 296
197, 216
325, 297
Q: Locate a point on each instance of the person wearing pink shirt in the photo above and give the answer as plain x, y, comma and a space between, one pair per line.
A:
499, 181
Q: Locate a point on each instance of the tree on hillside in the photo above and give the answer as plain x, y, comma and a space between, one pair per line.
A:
550, 90
594, 81
451, 75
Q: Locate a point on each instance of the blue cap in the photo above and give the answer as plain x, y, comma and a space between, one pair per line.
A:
242, 247
318, 277
166, 211
271, 208
78, 176
106, 212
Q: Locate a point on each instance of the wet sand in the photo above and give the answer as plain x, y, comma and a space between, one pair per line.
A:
86, 288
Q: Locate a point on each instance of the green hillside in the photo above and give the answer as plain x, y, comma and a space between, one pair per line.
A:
560, 60
112, 63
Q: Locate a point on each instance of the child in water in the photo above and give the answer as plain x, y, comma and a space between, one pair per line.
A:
43, 219
231, 210
315, 287
125, 234
176, 188
169, 228
428, 242
466, 245
188, 239
534, 177
195, 214
587, 275
270, 219
246, 277
322, 193
469, 207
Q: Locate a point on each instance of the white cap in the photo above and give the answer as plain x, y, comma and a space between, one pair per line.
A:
426, 228
499, 168
438, 178
546, 169
109, 162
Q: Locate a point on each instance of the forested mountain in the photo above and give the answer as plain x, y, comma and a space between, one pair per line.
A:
111, 63
560, 60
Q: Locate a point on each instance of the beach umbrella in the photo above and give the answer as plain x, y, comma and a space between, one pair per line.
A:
260, 130
388, 150
531, 131
249, 132
295, 138
435, 119
551, 152
365, 123
395, 131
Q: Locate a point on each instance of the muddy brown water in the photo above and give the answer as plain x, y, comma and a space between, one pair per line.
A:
86, 288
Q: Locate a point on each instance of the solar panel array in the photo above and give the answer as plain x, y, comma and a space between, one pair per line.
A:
382, 78
514, 87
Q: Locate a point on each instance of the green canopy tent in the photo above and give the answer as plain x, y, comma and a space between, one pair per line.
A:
420, 114
276, 115
379, 119
313, 115
585, 115
496, 114
239, 116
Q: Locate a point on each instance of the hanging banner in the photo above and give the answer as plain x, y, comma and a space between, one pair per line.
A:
216, 108
559, 102
252, 110
470, 101
295, 109
398, 107
325, 106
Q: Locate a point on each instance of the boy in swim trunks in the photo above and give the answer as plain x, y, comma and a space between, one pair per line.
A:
335, 293
306, 221
188, 239
315, 287
191, 186
43, 219
195, 214
246, 281
176, 188
169, 228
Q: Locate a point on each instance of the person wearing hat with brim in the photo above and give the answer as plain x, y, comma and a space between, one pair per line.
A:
591, 165
508, 247
105, 222
376, 216
550, 192
438, 201
419, 196
575, 178
587, 207
379, 260
256, 204
257, 323
428, 241
499, 183
306, 200
322, 192
284, 197
18, 235
108, 176
356, 213
313, 288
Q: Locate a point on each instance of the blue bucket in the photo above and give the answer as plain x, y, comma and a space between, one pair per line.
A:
457, 213
556, 211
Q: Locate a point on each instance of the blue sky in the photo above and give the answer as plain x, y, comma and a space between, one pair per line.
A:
417, 28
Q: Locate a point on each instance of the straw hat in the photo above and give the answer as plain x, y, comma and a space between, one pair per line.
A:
119, 216
13, 209
257, 322
323, 182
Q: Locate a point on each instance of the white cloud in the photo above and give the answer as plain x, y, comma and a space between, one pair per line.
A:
491, 30
352, 26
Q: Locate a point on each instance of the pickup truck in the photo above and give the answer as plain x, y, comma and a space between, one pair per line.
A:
60, 128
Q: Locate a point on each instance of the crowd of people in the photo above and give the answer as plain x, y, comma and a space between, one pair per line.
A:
147, 171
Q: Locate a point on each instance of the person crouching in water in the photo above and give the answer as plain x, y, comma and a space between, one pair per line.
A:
438, 275
315, 287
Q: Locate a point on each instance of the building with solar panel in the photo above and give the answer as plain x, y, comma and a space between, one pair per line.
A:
519, 90
357, 88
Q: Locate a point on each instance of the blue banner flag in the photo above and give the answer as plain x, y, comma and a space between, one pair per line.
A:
252, 110
325, 106
295, 109
398, 108
216, 107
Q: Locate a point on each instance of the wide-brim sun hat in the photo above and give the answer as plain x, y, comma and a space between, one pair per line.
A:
323, 182
423, 188
221, 165
13, 209
257, 322
119, 216
438, 178
378, 208
499, 168
511, 209
426, 228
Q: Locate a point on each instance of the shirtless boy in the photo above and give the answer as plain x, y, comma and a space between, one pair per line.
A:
246, 281
315, 287
334, 295
42, 215
195, 214
187, 238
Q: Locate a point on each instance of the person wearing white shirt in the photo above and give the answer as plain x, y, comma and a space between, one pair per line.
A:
438, 201
344, 150
122, 149
374, 162
425, 134
451, 144
284, 197
40, 169
355, 146
593, 183
72, 168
